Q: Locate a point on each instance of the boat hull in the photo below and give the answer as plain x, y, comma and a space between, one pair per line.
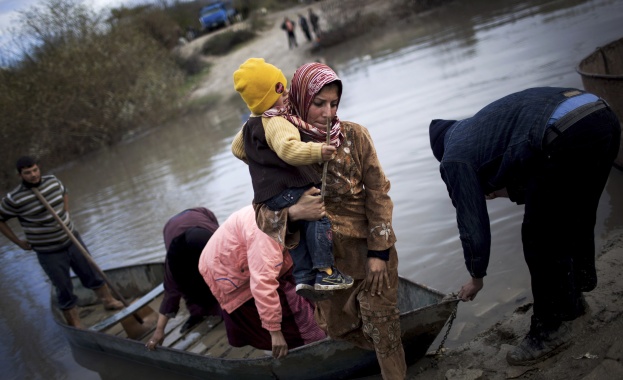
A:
602, 75
324, 359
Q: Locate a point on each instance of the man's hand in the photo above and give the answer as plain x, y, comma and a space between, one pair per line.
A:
502, 193
377, 276
309, 207
8, 232
280, 347
23, 244
469, 291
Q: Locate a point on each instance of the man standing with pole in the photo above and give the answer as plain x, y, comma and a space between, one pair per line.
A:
58, 247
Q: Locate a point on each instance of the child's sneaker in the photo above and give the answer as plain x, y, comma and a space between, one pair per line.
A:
301, 288
308, 291
337, 280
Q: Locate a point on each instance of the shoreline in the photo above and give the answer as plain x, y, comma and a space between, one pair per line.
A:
595, 353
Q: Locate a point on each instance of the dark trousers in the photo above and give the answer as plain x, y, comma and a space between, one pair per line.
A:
182, 261
244, 325
292, 40
315, 248
307, 34
57, 264
560, 214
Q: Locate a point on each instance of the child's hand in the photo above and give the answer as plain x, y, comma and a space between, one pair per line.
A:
328, 151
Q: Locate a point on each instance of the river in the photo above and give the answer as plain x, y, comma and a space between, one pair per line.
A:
448, 64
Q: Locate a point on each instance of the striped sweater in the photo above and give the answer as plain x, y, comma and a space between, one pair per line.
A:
41, 229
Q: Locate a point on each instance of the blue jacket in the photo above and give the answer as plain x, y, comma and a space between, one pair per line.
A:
496, 148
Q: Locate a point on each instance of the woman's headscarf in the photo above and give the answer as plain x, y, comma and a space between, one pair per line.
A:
307, 82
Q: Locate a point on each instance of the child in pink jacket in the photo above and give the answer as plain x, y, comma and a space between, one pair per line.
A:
251, 277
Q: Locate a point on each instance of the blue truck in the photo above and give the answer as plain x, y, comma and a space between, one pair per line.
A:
216, 15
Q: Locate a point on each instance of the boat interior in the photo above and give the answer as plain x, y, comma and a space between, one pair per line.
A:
142, 290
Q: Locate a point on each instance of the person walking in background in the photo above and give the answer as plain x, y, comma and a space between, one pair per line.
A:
550, 149
280, 165
288, 25
358, 204
185, 236
55, 250
305, 27
251, 277
313, 19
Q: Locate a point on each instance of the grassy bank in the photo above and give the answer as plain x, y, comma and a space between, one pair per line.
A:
88, 80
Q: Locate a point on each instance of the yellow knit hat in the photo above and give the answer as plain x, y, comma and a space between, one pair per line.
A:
260, 84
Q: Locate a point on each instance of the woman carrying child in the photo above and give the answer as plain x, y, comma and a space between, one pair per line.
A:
360, 209
282, 168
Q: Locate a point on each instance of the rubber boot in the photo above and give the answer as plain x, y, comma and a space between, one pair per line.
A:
539, 344
72, 318
110, 303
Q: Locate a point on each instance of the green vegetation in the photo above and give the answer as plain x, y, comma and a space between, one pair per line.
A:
89, 80
82, 85
223, 43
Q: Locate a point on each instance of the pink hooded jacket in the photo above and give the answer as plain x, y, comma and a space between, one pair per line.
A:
241, 262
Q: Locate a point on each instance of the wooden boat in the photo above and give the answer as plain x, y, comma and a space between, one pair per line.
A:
204, 350
602, 74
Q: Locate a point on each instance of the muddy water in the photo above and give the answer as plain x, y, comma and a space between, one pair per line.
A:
448, 64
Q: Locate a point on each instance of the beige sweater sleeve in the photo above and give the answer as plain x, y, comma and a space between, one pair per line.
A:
285, 140
237, 147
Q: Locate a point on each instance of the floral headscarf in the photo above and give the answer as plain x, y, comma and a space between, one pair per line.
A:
307, 82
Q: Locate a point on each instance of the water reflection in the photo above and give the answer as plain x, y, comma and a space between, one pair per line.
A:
448, 64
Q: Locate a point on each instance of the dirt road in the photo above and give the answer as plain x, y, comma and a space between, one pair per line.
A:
271, 44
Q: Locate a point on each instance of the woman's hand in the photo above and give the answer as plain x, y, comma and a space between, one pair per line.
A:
155, 339
377, 276
158, 336
469, 291
280, 347
309, 207
328, 152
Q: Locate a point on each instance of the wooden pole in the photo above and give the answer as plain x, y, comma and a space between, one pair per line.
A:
82, 249
326, 163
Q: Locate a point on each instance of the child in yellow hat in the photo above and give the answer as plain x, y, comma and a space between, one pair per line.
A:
279, 164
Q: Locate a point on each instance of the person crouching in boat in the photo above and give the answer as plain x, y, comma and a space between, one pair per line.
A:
185, 236
251, 277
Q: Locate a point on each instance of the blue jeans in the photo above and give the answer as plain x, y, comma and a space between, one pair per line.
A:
315, 249
57, 264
